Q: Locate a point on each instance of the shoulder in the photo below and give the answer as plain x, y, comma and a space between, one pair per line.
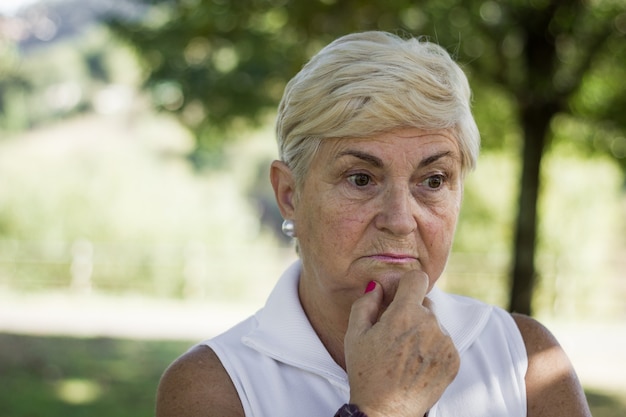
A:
537, 337
552, 386
196, 384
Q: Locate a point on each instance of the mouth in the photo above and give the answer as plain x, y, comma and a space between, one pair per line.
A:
394, 258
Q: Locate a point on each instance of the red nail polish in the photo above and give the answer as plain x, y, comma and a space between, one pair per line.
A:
370, 287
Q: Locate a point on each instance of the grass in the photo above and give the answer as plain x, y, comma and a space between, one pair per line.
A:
76, 377
69, 377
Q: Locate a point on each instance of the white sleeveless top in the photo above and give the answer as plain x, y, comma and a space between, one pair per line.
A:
280, 368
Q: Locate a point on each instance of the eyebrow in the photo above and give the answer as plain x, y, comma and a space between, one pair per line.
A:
373, 160
434, 158
378, 163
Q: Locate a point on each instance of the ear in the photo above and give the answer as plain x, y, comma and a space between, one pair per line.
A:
284, 186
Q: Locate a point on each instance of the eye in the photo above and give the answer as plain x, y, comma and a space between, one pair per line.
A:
360, 180
434, 182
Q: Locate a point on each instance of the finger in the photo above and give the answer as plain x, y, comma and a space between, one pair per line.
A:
365, 311
412, 289
429, 305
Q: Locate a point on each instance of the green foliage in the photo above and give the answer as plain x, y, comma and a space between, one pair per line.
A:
220, 67
120, 200
214, 63
123, 197
13, 87
599, 104
62, 79
580, 235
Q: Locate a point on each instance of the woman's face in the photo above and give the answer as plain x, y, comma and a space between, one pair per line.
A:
374, 208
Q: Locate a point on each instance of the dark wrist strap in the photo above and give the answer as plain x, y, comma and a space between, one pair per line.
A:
350, 410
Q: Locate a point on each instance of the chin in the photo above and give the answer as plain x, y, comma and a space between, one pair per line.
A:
391, 274
389, 281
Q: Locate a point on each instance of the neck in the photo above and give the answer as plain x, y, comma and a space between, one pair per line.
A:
328, 319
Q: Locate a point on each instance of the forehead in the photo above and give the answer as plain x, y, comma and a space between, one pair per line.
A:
408, 144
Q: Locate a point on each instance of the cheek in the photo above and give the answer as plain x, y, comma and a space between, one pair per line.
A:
333, 228
437, 238
438, 232
344, 223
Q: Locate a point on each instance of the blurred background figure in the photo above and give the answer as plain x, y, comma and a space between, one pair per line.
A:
132, 140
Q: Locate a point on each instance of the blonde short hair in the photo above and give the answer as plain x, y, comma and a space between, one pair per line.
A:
373, 82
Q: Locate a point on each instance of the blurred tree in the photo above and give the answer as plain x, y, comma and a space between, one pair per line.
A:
216, 63
55, 59
13, 85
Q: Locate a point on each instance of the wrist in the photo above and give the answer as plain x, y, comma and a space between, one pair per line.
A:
350, 410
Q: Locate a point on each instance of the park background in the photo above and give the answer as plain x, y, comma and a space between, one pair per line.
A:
136, 217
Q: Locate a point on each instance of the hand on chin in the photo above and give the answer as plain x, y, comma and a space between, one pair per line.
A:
388, 277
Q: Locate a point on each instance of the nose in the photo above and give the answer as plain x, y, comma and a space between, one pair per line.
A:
398, 212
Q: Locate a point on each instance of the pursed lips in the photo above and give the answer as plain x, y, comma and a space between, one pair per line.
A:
394, 258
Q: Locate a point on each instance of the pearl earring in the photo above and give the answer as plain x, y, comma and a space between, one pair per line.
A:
289, 228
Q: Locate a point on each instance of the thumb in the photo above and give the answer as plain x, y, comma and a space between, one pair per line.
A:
365, 310
412, 290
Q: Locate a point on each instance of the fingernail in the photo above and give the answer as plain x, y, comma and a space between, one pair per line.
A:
370, 287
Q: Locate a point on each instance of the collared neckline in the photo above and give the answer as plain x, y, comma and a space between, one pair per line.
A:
284, 333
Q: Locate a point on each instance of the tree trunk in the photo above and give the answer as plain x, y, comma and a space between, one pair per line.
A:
535, 121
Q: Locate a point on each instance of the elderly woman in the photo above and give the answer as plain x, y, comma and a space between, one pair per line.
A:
375, 136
